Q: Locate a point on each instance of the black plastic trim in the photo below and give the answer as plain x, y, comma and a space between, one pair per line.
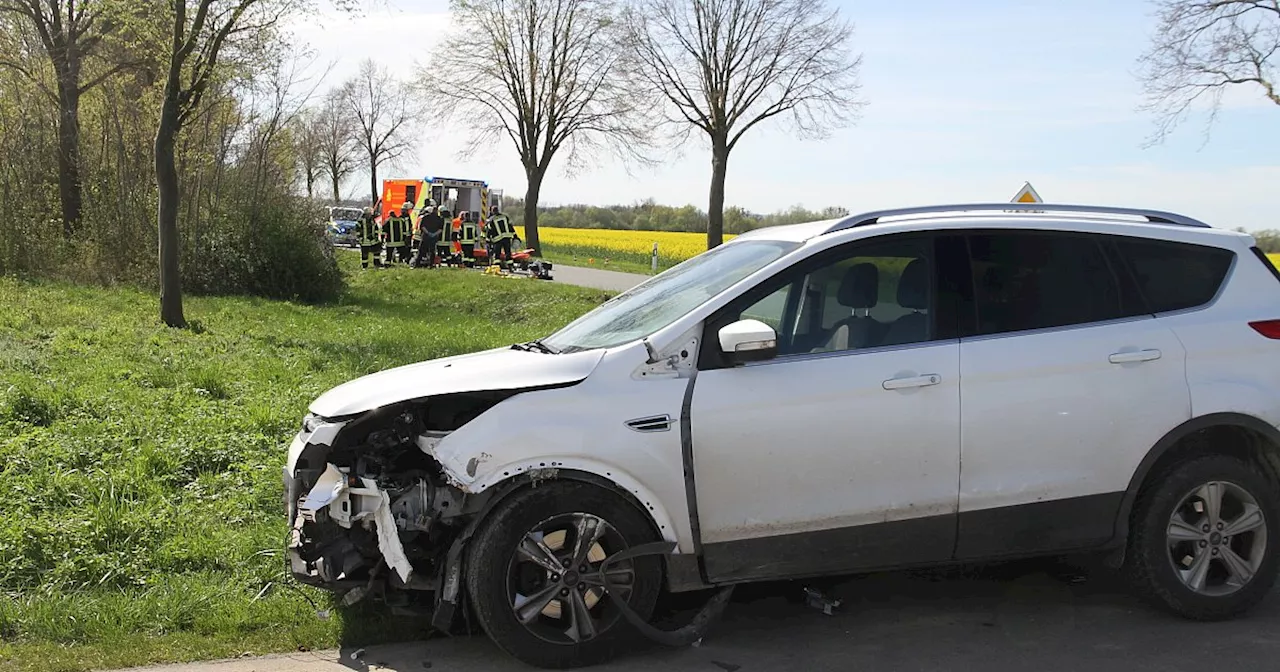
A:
1171, 439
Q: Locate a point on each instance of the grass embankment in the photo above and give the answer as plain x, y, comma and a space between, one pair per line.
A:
140, 466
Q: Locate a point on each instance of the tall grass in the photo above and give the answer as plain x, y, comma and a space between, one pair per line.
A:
140, 466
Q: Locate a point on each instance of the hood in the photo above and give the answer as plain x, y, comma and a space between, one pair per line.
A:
499, 369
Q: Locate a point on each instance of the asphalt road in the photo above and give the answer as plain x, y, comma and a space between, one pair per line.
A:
1019, 617
597, 278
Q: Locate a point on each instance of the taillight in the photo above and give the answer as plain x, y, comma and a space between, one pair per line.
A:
1268, 328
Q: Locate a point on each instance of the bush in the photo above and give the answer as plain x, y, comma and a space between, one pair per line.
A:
272, 248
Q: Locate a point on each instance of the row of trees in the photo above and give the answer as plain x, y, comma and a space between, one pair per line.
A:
651, 216
570, 80
130, 127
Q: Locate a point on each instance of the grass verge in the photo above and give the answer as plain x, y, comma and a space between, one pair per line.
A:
140, 466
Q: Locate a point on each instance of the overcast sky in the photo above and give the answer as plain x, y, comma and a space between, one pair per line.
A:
966, 101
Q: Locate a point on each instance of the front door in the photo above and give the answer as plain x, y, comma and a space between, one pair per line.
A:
842, 453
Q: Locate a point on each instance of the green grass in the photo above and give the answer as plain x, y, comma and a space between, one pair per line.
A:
140, 466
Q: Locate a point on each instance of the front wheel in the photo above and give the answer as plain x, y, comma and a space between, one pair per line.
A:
1200, 545
533, 574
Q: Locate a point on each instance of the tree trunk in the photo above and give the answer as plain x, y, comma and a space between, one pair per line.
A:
373, 182
167, 220
534, 177
69, 150
336, 187
715, 209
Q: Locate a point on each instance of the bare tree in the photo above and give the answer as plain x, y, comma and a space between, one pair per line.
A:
546, 74
385, 115
197, 42
70, 34
336, 140
724, 66
282, 91
1202, 48
305, 131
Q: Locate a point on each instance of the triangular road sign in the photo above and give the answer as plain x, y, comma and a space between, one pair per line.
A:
1027, 195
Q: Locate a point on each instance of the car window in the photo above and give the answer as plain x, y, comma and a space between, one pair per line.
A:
657, 302
1041, 280
879, 294
1174, 276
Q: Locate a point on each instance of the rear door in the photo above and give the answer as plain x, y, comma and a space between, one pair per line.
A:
1066, 382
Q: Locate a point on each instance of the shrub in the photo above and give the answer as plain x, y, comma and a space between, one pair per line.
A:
270, 248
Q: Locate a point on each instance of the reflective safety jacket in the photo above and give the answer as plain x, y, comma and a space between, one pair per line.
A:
503, 227
468, 235
369, 230
395, 230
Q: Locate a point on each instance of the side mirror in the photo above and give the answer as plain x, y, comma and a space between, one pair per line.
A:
748, 341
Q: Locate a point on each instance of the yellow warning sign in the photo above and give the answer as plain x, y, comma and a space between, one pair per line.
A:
1027, 195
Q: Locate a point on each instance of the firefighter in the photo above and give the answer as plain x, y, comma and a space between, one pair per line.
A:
502, 234
399, 230
467, 238
429, 227
444, 244
370, 244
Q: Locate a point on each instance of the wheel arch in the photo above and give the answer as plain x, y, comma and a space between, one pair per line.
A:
1254, 439
519, 477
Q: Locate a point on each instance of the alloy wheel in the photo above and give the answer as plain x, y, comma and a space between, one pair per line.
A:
1217, 538
554, 580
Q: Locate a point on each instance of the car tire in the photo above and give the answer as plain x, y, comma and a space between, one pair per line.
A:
500, 577
1179, 558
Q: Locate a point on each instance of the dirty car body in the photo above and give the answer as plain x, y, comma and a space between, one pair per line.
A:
789, 405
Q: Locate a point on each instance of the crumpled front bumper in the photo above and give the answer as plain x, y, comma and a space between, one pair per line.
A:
347, 501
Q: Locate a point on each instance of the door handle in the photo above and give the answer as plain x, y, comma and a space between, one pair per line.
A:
914, 381
1134, 356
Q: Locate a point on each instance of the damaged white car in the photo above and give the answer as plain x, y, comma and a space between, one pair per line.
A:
800, 402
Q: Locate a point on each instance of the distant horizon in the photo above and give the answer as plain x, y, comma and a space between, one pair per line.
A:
965, 104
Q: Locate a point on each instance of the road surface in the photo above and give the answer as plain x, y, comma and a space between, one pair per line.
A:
596, 278
1017, 617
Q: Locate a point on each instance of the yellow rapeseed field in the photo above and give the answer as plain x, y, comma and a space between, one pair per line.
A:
612, 245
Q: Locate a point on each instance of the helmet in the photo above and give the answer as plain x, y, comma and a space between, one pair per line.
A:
407, 205
368, 210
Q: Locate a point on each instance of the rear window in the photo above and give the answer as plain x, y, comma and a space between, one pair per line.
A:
1175, 276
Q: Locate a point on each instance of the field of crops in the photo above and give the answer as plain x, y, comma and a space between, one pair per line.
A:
608, 247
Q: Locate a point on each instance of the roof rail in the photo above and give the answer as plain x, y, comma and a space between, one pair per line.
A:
1152, 216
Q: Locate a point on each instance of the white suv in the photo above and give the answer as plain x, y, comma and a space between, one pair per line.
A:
894, 389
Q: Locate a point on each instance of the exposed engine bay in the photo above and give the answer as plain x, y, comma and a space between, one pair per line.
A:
372, 512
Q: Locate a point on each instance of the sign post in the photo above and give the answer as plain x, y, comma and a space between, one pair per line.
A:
653, 260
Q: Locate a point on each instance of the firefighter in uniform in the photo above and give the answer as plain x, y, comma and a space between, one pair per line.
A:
370, 244
467, 238
397, 234
502, 233
444, 244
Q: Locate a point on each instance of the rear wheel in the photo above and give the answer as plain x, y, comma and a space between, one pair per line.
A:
533, 574
1200, 545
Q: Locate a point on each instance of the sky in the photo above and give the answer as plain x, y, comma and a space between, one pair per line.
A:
965, 101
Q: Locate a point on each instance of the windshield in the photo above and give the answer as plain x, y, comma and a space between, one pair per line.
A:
666, 297
344, 214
